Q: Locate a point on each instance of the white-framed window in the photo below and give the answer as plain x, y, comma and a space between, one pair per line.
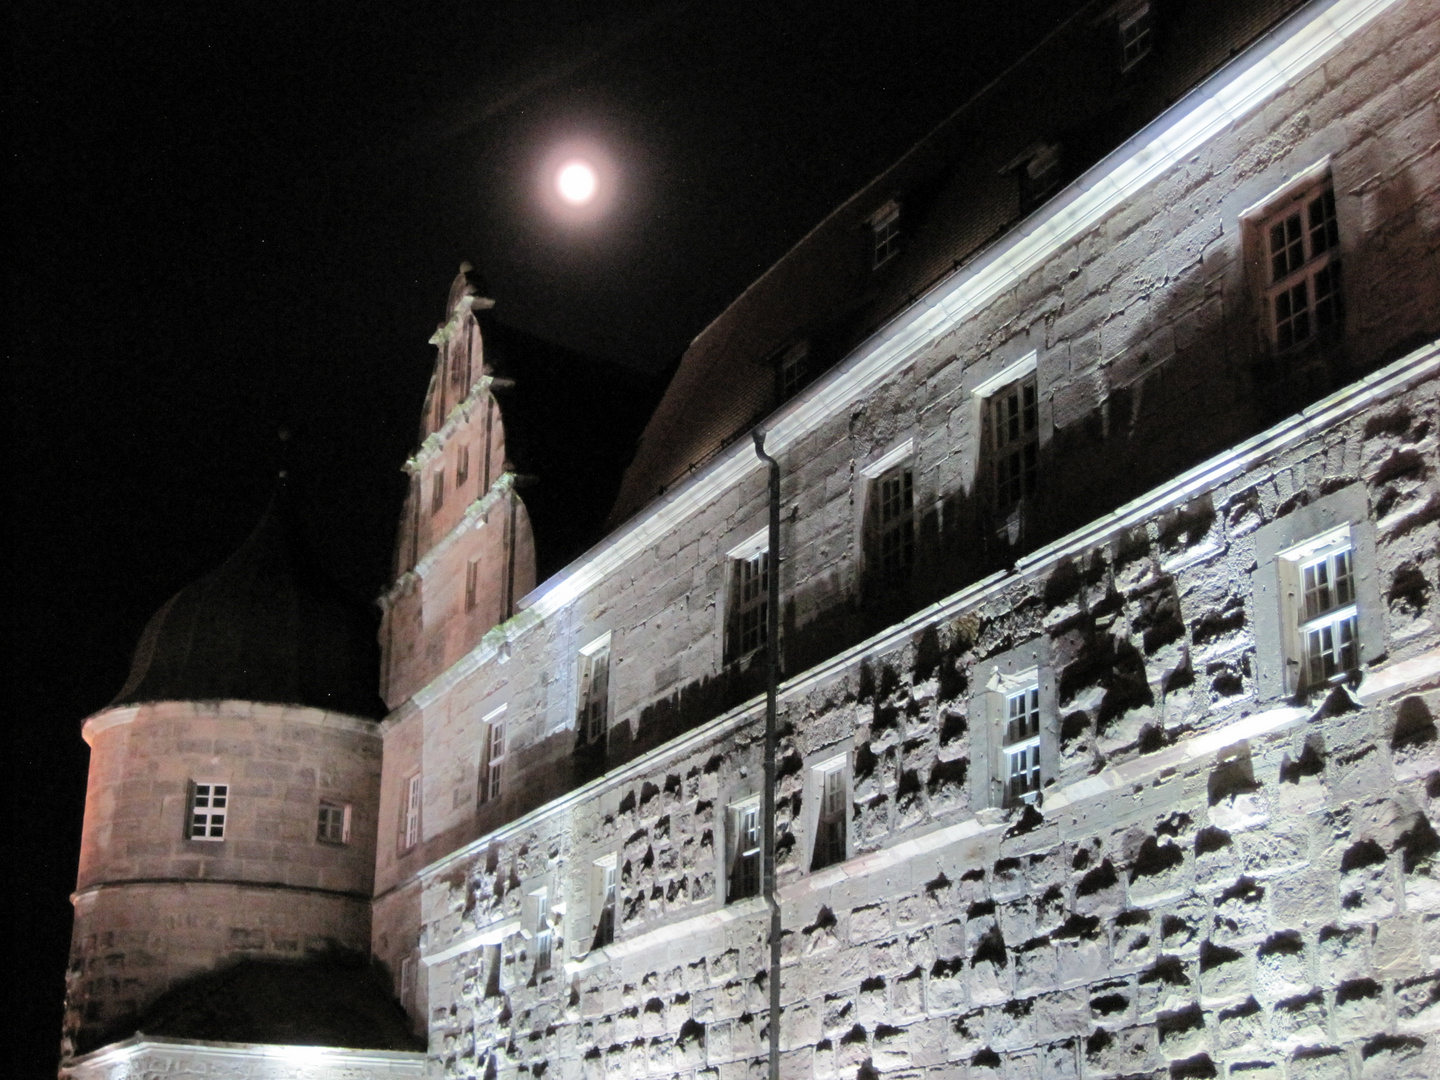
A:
831, 785
1013, 413
748, 609
1319, 579
437, 490
472, 584
742, 872
492, 755
542, 934
332, 825
593, 698
410, 813
1020, 745
1319, 613
1299, 241
1136, 31
885, 234
605, 898
462, 466
209, 809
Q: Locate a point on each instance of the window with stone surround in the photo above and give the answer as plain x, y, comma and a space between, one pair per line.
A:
540, 930
889, 525
209, 810
333, 823
792, 370
604, 899
492, 756
593, 697
408, 967
830, 787
1009, 469
1317, 608
747, 615
410, 813
742, 869
1297, 240
1013, 728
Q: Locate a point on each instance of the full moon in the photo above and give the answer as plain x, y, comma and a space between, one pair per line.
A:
576, 182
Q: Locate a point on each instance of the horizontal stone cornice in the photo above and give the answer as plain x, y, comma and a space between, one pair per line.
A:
239, 883
226, 709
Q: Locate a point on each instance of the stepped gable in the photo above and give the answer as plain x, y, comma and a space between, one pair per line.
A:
268, 625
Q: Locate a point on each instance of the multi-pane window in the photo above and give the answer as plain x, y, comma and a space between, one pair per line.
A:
543, 935
885, 229
472, 584
1302, 267
793, 371
209, 806
606, 899
831, 816
1329, 635
410, 814
333, 823
407, 982
1014, 441
893, 511
1021, 745
437, 491
750, 599
1137, 36
462, 466
743, 876
594, 696
492, 760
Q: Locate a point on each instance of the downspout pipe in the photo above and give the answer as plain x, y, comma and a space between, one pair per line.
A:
767, 804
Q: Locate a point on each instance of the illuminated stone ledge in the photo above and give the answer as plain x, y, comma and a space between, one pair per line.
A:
144, 1056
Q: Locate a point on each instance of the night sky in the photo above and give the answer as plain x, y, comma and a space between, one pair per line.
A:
231, 218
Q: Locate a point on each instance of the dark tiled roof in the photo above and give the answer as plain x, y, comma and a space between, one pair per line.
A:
318, 1002
267, 626
958, 192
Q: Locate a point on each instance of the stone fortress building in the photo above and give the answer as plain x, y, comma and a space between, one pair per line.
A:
1107, 427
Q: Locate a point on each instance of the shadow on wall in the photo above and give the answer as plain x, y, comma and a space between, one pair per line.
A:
1198, 382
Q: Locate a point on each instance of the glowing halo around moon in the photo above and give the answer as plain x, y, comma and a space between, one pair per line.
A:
576, 182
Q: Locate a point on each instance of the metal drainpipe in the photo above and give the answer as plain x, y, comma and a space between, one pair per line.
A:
767, 804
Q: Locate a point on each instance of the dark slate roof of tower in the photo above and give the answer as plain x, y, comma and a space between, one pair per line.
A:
268, 625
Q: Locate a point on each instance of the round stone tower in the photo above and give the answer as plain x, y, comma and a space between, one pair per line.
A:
231, 808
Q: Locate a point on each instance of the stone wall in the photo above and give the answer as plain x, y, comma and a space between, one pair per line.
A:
153, 906
1218, 878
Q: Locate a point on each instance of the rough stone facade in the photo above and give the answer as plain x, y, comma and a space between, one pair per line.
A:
1222, 875
153, 906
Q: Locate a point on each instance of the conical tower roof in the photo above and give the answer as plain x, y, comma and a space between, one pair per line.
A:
268, 625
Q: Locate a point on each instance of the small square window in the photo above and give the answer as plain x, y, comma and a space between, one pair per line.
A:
492, 757
593, 717
1299, 239
831, 787
605, 878
410, 814
792, 370
209, 808
742, 876
333, 824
